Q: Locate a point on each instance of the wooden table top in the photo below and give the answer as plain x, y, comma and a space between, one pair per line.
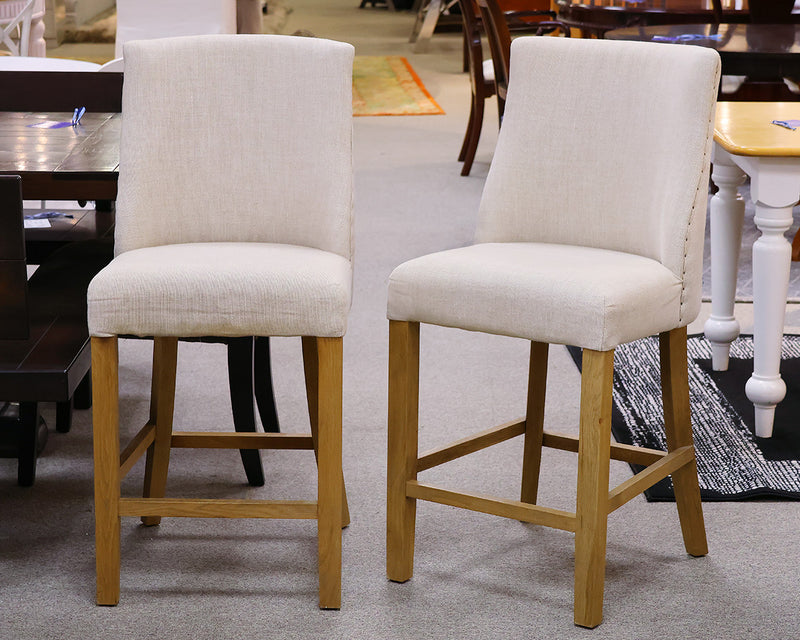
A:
61, 162
27, 143
758, 51
746, 129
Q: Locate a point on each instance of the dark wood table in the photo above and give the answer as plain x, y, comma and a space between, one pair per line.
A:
596, 17
82, 163
64, 163
758, 51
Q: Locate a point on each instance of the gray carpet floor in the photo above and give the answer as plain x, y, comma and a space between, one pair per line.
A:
476, 576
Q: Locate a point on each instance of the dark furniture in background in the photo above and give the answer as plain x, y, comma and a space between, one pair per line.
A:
595, 19
497, 25
44, 343
482, 87
762, 52
82, 165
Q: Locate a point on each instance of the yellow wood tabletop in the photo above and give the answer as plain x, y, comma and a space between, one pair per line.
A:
746, 129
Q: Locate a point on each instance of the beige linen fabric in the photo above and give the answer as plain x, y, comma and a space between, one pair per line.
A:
555, 293
224, 289
604, 145
243, 140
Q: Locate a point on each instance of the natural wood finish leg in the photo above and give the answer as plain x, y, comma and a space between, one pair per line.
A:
105, 365
311, 370
593, 473
329, 461
162, 404
402, 448
534, 422
678, 427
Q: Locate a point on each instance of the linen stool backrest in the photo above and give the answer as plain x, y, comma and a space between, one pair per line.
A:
624, 168
193, 170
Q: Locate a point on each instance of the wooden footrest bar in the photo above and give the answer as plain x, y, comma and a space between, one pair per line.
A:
622, 452
494, 506
136, 448
191, 508
232, 440
471, 444
648, 477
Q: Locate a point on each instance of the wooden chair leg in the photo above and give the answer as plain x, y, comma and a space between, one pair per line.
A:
162, 404
105, 365
468, 134
329, 460
311, 370
402, 448
473, 135
534, 422
240, 383
678, 427
594, 452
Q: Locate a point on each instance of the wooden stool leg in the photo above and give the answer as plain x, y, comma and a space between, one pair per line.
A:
402, 448
329, 460
311, 370
162, 404
593, 471
105, 365
534, 422
678, 427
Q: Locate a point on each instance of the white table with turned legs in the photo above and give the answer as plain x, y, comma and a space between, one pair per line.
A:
746, 143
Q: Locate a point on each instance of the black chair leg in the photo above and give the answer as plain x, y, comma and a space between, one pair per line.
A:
265, 395
240, 381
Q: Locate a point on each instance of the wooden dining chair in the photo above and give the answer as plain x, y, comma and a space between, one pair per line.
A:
482, 71
496, 23
253, 237
615, 257
481, 76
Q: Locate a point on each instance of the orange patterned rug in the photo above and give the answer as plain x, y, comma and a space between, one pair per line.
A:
388, 86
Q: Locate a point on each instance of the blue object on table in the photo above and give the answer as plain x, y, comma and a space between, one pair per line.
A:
789, 124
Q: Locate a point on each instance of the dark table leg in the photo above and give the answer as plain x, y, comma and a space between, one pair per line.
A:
32, 435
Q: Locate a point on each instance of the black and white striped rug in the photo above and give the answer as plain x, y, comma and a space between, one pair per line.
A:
732, 463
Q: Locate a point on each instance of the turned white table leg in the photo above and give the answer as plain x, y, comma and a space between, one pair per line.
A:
726, 217
775, 189
772, 256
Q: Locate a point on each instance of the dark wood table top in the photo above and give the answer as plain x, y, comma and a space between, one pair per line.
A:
758, 51
61, 162
598, 16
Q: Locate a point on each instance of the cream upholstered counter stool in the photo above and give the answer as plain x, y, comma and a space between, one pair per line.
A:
234, 218
612, 257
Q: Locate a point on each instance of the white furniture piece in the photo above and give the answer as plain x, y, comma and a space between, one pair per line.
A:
147, 19
747, 143
615, 257
117, 65
26, 18
19, 63
224, 229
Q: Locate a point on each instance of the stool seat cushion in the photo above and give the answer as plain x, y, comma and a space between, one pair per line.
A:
222, 289
582, 296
